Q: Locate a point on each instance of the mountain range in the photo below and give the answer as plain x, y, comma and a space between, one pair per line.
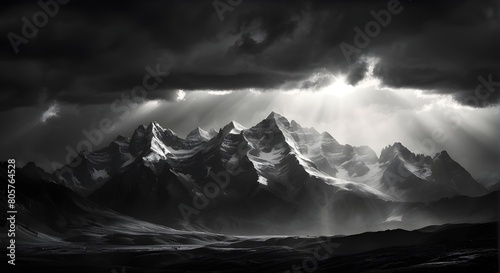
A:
276, 177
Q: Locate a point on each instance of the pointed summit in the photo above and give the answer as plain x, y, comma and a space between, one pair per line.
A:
233, 128
36, 173
119, 141
145, 138
443, 155
447, 170
120, 138
198, 134
196, 131
154, 127
391, 151
327, 135
278, 120
274, 115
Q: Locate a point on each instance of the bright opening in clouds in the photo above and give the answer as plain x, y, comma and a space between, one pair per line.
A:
52, 112
193, 128
180, 95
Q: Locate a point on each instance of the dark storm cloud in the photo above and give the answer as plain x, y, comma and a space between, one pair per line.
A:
91, 51
357, 72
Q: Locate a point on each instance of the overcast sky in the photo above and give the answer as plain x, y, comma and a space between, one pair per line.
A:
429, 74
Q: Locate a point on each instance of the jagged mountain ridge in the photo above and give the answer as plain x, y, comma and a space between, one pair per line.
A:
398, 173
275, 174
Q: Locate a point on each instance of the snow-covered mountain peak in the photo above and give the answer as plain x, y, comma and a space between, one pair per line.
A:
233, 127
284, 154
199, 134
155, 128
396, 149
398, 146
273, 115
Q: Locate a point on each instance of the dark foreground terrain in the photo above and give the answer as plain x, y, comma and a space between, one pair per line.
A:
58, 230
452, 248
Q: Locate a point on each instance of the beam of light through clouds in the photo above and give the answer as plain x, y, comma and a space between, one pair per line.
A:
367, 114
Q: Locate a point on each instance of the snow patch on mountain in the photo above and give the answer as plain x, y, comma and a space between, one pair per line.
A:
200, 135
278, 154
262, 180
